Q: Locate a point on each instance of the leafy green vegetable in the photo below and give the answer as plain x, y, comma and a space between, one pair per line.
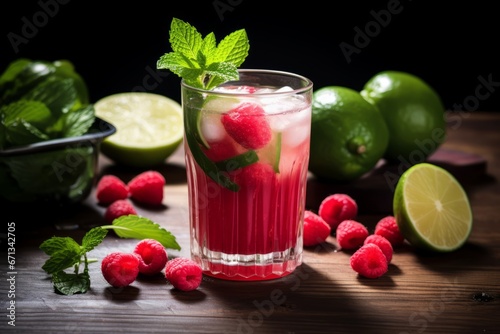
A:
65, 252
131, 226
48, 175
41, 101
200, 61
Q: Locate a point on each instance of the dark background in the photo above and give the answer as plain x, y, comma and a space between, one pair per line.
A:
115, 46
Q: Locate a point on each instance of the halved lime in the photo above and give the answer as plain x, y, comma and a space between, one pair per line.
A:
149, 127
432, 209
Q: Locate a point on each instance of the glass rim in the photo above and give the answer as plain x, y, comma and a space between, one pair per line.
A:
307, 81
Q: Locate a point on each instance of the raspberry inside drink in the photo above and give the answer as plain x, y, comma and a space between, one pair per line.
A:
247, 153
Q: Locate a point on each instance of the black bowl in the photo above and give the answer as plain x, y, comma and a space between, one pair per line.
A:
59, 171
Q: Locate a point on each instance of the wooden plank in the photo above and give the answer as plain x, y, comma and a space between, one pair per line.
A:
457, 292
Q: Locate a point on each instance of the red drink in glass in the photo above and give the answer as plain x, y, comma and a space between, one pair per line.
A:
247, 153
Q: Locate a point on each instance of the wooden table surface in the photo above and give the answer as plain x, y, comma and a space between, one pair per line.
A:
457, 292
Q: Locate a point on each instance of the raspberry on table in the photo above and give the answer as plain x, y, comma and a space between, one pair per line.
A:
382, 243
111, 188
336, 208
247, 124
388, 228
147, 187
152, 256
369, 261
183, 273
316, 230
351, 234
121, 207
120, 269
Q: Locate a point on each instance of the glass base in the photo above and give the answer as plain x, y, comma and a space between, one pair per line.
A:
244, 267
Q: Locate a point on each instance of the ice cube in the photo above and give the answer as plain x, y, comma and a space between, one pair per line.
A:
284, 89
294, 136
281, 103
295, 125
284, 115
211, 127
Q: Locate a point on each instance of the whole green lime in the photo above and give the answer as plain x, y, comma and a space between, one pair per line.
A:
348, 134
413, 112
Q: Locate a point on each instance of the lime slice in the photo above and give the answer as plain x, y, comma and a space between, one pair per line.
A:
149, 127
432, 209
271, 153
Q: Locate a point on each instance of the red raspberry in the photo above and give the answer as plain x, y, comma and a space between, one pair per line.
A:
247, 124
152, 256
110, 188
147, 187
369, 261
254, 175
223, 149
121, 207
351, 234
388, 228
336, 208
120, 269
316, 230
382, 243
183, 273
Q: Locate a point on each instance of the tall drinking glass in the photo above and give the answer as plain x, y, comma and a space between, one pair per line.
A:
247, 155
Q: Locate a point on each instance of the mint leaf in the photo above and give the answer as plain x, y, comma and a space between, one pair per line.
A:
23, 122
182, 66
13, 70
232, 49
61, 260
31, 111
135, 227
93, 238
55, 244
238, 161
209, 46
219, 73
69, 284
200, 61
77, 122
59, 95
184, 38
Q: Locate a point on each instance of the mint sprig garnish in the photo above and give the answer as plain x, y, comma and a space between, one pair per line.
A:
204, 64
201, 62
66, 253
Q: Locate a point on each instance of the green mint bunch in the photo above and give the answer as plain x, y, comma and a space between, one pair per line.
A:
201, 62
65, 252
